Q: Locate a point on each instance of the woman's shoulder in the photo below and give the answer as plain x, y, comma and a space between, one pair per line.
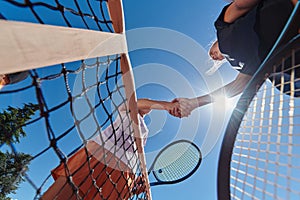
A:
220, 23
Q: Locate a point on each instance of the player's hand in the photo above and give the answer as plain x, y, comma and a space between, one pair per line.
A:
186, 106
173, 108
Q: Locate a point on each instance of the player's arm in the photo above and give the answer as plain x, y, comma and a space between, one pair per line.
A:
294, 2
230, 90
146, 105
239, 8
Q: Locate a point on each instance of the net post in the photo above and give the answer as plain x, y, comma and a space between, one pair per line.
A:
133, 110
116, 14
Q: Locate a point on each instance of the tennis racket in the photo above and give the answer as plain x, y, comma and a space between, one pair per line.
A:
260, 153
175, 162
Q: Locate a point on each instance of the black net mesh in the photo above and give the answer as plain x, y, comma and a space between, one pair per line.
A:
88, 14
79, 133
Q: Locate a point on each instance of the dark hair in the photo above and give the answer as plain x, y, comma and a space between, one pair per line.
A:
17, 77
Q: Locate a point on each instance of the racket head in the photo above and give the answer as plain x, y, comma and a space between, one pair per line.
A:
176, 162
233, 135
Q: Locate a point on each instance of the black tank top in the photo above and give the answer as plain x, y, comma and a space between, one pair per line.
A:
247, 41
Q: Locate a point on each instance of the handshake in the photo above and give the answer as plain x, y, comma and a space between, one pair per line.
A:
181, 107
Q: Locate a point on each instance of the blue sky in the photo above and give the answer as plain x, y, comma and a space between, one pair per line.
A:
194, 20
168, 43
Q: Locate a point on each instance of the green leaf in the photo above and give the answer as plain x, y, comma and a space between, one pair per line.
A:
12, 122
12, 168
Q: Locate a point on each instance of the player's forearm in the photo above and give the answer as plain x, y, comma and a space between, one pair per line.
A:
151, 104
211, 97
232, 89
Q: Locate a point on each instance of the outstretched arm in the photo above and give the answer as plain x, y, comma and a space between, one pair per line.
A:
230, 90
146, 105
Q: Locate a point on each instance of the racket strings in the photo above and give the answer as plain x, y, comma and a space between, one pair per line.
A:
176, 162
265, 161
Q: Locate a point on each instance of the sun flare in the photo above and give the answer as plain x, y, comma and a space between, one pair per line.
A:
224, 103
